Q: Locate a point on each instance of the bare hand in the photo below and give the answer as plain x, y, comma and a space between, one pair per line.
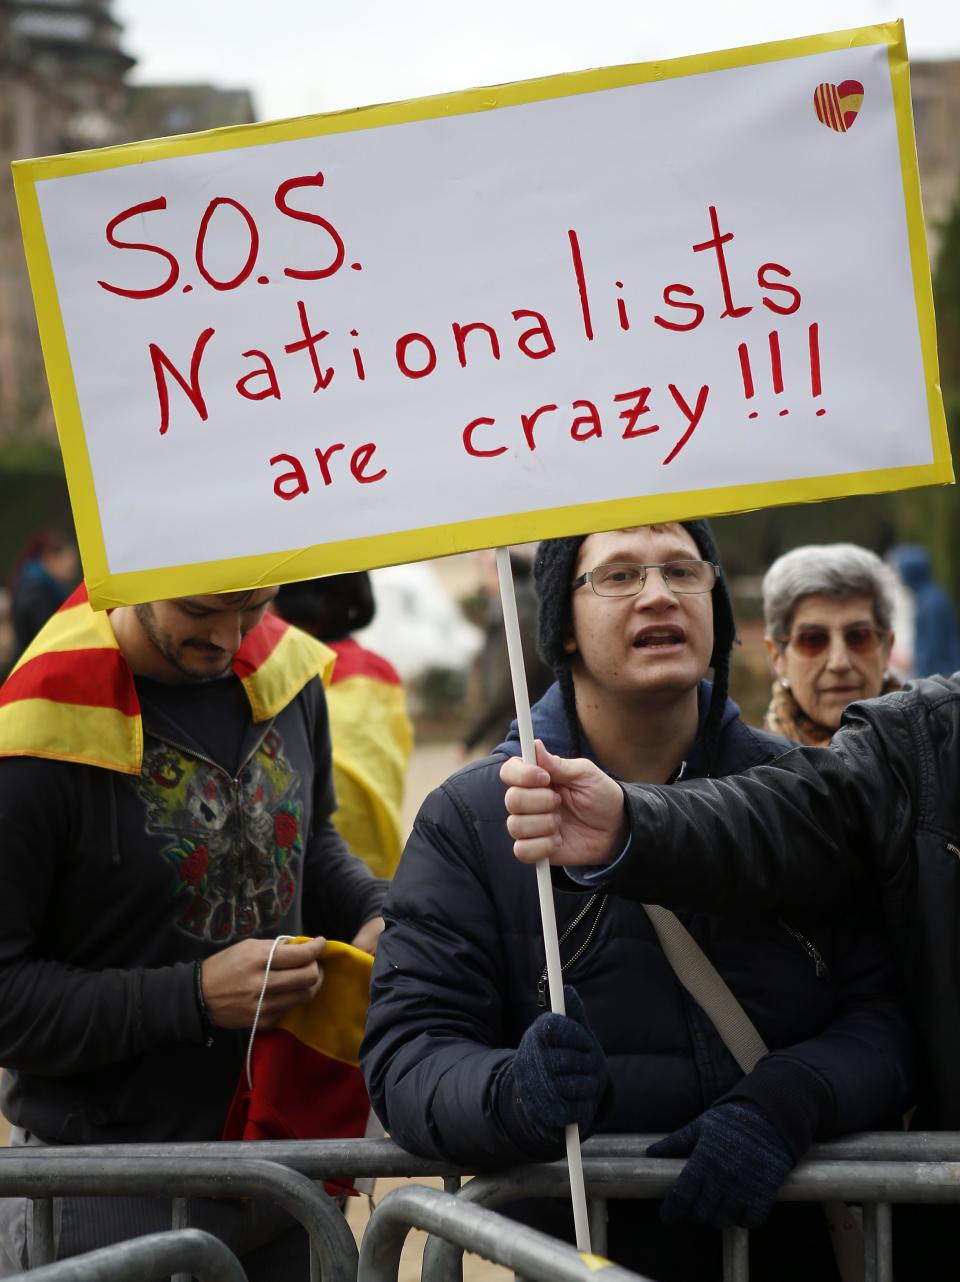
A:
232, 981
368, 936
569, 812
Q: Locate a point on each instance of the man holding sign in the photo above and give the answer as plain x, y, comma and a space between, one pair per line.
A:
165, 800
460, 1061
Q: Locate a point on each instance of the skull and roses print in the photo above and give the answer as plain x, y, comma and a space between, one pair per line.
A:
234, 844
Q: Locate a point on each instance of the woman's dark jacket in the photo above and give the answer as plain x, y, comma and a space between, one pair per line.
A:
459, 975
877, 811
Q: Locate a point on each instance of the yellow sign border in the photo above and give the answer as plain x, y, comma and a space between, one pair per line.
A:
107, 589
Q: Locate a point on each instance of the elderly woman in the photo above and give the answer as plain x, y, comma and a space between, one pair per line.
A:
828, 609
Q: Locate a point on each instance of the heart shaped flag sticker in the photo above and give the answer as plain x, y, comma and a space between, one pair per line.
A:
837, 106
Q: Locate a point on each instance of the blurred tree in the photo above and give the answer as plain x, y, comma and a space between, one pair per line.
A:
932, 516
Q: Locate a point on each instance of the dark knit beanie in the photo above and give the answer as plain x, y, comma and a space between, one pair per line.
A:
553, 573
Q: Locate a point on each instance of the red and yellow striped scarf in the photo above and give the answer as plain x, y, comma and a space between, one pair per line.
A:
72, 696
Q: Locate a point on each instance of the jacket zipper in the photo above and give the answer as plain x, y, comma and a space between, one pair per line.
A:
954, 850
200, 756
234, 779
822, 970
542, 981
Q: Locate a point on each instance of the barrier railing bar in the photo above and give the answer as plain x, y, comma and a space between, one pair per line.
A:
527, 1251
926, 1182
190, 1252
323, 1159
877, 1242
319, 1159
736, 1255
180, 1219
597, 1210
41, 1231
894, 1146
333, 1249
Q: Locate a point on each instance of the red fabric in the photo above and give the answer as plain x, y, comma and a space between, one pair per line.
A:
258, 645
353, 660
298, 1094
89, 677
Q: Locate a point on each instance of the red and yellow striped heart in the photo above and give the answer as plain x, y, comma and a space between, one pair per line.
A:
837, 106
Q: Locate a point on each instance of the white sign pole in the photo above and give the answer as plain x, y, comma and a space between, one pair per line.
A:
548, 916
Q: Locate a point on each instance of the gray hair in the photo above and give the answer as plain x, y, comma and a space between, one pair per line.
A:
826, 569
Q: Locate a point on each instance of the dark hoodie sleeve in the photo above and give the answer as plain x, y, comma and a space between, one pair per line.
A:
55, 1017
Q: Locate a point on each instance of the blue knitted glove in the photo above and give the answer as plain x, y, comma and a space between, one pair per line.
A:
737, 1163
559, 1071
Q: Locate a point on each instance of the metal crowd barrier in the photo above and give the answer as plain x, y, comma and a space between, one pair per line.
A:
875, 1170
147, 1259
530, 1253
43, 1174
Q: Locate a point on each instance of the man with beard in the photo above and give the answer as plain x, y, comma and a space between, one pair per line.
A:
165, 802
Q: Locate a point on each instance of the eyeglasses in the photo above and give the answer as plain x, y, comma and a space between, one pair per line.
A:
623, 578
859, 638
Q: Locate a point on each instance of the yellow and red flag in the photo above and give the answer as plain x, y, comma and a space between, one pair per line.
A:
304, 1078
372, 741
72, 697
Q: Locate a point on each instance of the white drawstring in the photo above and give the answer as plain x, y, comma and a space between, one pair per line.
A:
263, 992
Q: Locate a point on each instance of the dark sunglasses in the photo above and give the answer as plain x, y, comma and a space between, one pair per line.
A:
859, 638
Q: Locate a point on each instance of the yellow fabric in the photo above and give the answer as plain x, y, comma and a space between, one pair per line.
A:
333, 1022
107, 737
372, 741
295, 660
61, 732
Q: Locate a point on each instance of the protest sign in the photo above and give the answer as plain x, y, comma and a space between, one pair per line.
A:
648, 292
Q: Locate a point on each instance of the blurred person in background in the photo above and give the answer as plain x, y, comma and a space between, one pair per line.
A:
492, 682
828, 610
936, 639
369, 726
46, 572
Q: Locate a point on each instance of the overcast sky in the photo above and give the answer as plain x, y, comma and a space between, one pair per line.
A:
303, 56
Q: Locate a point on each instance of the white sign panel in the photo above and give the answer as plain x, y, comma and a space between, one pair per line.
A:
618, 296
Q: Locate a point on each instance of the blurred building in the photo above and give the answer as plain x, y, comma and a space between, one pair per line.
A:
935, 88
63, 87
154, 111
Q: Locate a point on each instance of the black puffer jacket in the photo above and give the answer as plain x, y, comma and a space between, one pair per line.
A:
877, 810
459, 976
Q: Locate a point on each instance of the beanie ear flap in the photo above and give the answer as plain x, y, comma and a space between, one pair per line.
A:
553, 574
